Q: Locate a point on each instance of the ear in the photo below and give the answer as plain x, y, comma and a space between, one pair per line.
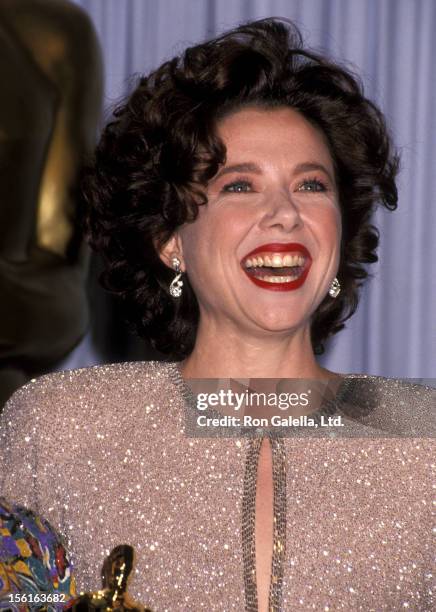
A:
173, 248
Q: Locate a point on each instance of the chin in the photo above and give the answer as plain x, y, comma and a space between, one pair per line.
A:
283, 324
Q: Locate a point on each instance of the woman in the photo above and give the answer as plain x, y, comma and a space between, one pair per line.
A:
231, 197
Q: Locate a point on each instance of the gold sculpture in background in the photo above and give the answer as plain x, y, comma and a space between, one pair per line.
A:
51, 75
113, 596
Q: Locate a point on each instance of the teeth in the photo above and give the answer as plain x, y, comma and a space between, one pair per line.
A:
275, 261
278, 279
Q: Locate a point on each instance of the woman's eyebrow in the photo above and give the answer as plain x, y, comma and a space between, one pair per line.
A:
255, 169
308, 166
244, 167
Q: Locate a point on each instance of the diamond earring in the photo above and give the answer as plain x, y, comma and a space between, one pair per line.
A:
177, 283
335, 288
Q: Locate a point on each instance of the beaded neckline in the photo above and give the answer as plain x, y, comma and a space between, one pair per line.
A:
329, 407
279, 467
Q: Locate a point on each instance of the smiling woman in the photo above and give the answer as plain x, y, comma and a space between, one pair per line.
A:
231, 197
277, 184
166, 153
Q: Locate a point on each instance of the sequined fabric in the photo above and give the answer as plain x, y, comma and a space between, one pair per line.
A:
101, 453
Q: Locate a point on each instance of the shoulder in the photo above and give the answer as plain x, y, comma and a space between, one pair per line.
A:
397, 406
388, 387
95, 388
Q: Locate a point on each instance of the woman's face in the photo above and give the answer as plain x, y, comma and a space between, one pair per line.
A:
265, 248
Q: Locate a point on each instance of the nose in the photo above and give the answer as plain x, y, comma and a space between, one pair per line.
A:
280, 211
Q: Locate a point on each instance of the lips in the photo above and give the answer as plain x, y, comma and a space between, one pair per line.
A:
260, 264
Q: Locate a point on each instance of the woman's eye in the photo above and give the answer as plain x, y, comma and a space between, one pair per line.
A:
312, 185
237, 187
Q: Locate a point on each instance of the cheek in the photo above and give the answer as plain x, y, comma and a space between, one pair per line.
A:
199, 242
338, 224
217, 231
194, 234
330, 225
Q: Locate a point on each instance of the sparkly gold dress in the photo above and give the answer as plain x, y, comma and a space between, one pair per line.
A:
102, 454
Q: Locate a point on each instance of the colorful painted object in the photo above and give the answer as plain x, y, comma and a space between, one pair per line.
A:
35, 573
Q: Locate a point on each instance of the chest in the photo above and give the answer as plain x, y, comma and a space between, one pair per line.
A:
264, 524
188, 513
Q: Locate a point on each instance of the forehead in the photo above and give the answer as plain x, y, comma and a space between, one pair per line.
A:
278, 132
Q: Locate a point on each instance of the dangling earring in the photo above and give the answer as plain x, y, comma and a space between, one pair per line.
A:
177, 283
335, 288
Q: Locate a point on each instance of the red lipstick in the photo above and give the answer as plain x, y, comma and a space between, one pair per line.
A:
275, 247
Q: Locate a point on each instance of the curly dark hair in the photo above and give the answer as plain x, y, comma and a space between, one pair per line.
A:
160, 150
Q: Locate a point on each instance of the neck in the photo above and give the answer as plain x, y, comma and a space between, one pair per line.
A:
230, 354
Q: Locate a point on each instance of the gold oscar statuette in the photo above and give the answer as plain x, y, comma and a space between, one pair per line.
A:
113, 595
